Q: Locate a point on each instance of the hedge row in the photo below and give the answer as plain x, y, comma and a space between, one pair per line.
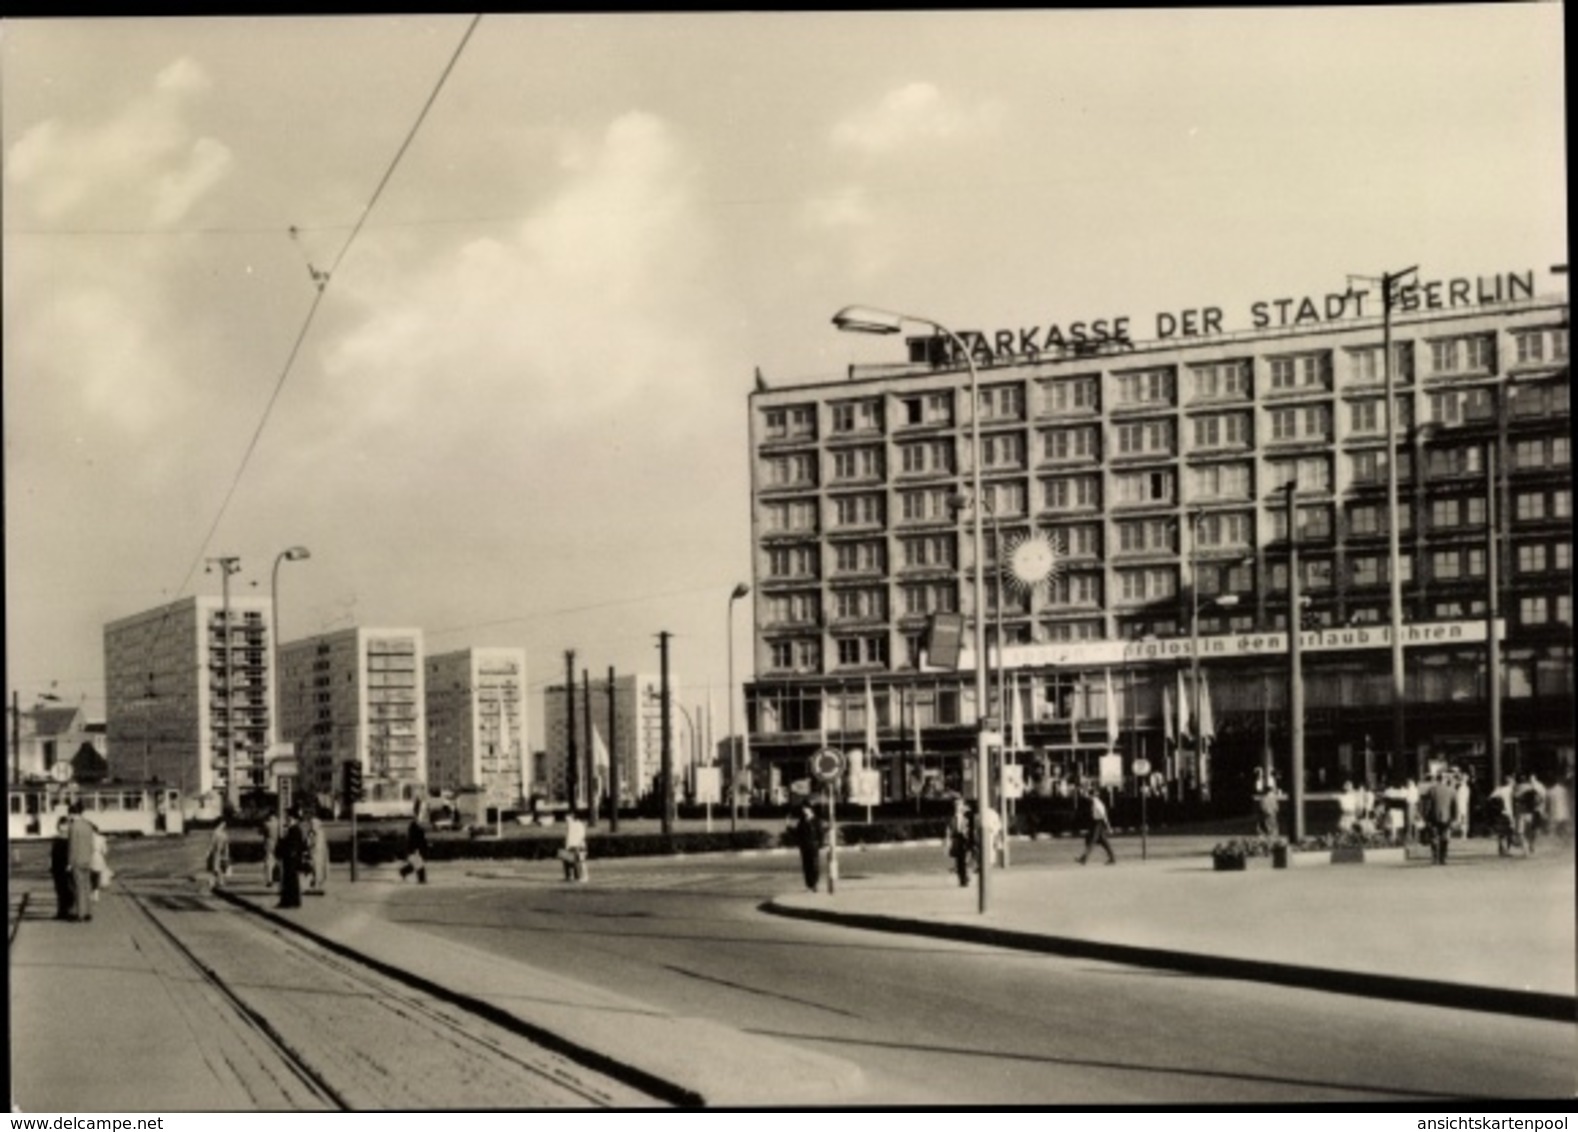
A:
384, 846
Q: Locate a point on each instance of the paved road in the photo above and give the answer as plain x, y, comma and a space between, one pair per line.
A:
930, 1021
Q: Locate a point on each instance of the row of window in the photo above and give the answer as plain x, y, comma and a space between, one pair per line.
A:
1215, 530
1231, 379
871, 650
1226, 481
1151, 583
1214, 432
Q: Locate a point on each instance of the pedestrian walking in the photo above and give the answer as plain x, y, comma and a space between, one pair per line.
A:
808, 838
574, 852
1460, 782
1266, 806
1347, 808
218, 860
319, 840
1440, 806
292, 860
1503, 816
60, 869
1558, 809
959, 840
1529, 801
416, 851
101, 863
271, 849
1099, 828
80, 842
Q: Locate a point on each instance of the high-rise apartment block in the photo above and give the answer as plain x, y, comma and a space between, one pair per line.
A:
186, 693
476, 723
356, 695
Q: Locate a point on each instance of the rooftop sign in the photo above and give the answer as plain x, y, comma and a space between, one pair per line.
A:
1101, 335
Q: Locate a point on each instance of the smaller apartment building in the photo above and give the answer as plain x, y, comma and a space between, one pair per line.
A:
357, 695
629, 728
476, 723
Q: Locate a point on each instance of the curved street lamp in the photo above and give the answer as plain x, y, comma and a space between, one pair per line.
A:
873, 320
734, 758
293, 554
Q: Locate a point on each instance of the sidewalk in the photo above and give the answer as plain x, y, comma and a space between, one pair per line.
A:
1484, 933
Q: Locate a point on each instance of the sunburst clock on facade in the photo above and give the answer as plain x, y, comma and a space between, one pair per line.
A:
1030, 560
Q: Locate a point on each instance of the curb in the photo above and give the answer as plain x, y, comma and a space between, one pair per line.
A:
1399, 988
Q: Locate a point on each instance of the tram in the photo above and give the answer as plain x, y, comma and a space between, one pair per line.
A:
35, 810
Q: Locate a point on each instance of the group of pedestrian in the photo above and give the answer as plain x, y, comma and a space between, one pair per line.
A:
78, 864
301, 858
1522, 808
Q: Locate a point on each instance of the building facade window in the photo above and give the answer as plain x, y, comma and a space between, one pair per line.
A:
1144, 387
857, 416
1002, 402
1228, 530
789, 422
1073, 493
795, 470
858, 511
928, 551
1135, 488
1003, 450
1071, 444
1220, 381
1144, 438
1220, 481
1136, 535
1364, 364
1147, 584
1300, 371
1222, 430
930, 409
1307, 422
792, 562
1071, 395
930, 505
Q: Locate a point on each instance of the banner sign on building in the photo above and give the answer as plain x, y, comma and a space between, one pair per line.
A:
1091, 654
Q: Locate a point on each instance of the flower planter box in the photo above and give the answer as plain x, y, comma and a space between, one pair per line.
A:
1229, 864
1348, 855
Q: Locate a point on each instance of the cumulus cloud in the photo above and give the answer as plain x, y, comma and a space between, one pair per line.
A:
909, 115
583, 306
141, 165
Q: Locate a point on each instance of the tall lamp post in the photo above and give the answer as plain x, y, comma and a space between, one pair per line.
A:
1196, 694
870, 320
1295, 665
293, 554
734, 752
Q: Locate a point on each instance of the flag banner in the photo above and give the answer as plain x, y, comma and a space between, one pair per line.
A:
1112, 711
1017, 725
1167, 718
871, 723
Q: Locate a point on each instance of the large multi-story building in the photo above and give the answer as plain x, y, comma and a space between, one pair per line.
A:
476, 723
1157, 473
630, 729
170, 715
356, 695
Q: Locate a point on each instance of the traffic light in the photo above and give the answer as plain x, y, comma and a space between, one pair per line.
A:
353, 782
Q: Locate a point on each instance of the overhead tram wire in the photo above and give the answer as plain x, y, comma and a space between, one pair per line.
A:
321, 280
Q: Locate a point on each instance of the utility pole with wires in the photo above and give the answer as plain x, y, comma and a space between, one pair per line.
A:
613, 757
571, 765
667, 772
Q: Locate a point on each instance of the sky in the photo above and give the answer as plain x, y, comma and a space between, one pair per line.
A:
515, 410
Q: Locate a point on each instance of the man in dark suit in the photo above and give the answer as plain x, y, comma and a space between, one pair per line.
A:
1440, 804
60, 869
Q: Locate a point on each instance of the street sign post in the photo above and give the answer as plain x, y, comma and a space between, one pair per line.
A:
1142, 770
828, 766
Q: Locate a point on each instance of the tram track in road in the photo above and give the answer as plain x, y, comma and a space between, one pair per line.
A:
354, 1037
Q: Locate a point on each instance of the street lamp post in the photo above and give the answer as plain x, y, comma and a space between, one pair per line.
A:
869, 320
293, 554
734, 758
1389, 281
1295, 666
